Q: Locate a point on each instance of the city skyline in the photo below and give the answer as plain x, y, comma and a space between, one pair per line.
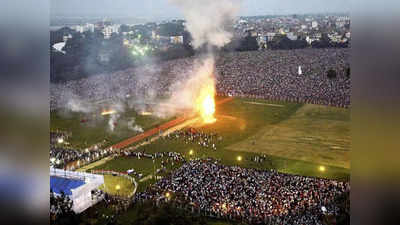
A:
163, 9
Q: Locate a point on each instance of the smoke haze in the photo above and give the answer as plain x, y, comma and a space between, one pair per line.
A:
207, 20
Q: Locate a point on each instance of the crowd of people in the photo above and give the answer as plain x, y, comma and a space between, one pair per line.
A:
262, 74
249, 195
275, 75
61, 155
197, 136
167, 158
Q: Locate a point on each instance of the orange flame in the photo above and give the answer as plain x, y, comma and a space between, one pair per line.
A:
108, 112
205, 104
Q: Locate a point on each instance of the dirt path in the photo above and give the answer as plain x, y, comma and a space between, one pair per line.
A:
260, 103
157, 129
97, 163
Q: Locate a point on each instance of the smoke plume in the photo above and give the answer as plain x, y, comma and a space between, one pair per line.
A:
113, 121
134, 127
206, 20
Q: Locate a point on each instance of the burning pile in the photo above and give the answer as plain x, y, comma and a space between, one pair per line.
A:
207, 21
108, 112
205, 104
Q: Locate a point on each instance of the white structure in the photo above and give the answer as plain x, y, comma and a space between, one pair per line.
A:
300, 71
109, 30
270, 36
59, 46
77, 185
292, 36
314, 24
176, 39
80, 29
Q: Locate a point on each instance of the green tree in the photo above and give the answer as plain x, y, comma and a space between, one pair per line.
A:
331, 74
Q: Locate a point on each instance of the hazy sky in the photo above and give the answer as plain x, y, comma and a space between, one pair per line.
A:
160, 9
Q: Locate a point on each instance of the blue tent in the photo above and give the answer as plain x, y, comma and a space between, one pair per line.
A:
60, 184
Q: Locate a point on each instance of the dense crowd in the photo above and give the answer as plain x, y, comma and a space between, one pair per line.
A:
197, 136
275, 75
174, 156
167, 158
262, 74
249, 195
62, 154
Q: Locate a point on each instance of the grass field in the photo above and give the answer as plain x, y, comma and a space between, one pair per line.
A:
318, 134
96, 128
143, 165
296, 138
111, 182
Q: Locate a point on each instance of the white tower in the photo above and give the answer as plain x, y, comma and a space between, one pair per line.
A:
300, 72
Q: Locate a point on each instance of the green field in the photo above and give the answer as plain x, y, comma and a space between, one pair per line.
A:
318, 134
111, 182
96, 128
144, 166
304, 137
297, 139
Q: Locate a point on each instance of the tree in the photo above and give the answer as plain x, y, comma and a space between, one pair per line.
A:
324, 42
166, 214
124, 28
61, 210
331, 74
249, 43
348, 72
283, 42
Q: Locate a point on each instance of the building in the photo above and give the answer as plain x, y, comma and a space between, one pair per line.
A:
270, 36
80, 28
78, 186
314, 24
109, 30
292, 36
58, 47
66, 37
90, 27
176, 39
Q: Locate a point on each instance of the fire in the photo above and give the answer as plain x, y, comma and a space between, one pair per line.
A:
205, 104
108, 112
145, 113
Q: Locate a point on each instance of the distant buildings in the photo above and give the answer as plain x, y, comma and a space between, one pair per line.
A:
265, 29
83, 28
109, 30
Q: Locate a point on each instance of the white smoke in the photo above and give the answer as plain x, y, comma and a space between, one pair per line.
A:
185, 91
113, 121
134, 127
76, 105
146, 86
119, 108
207, 20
